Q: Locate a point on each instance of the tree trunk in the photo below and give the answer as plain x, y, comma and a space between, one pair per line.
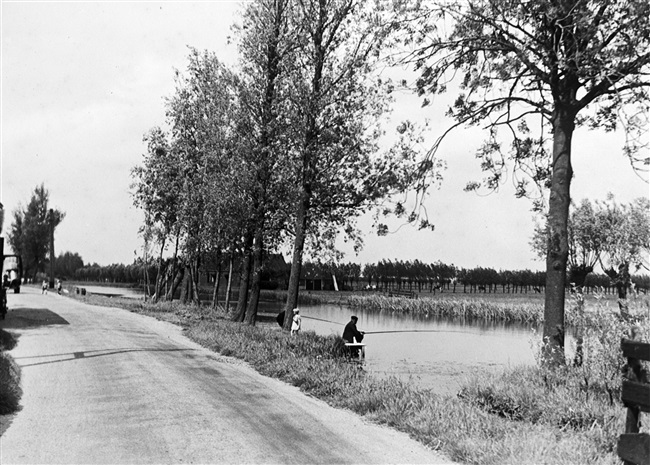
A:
309, 155
296, 262
231, 261
621, 280
558, 248
244, 280
159, 276
172, 291
194, 282
186, 285
217, 280
577, 275
253, 300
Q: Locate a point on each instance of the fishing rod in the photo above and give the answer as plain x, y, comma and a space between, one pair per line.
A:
419, 331
320, 319
395, 330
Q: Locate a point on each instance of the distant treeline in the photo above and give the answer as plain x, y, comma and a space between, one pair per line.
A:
384, 275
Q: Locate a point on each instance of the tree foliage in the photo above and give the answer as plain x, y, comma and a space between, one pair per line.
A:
30, 231
614, 235
585, 237
627, 246
628, 233
186, 180
66, 264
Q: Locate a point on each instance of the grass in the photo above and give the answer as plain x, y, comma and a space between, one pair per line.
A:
523, 415
10, 390
8, 340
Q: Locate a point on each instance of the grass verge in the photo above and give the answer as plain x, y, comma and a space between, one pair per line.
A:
10, 390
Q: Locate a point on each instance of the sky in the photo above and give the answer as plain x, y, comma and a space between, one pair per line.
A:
82, 82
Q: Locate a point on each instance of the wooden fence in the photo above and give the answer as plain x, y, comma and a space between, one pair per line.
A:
400, 293
633, 446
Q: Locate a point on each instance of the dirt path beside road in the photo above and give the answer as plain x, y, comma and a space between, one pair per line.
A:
103, 385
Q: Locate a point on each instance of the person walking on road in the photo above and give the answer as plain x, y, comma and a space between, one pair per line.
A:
44, 288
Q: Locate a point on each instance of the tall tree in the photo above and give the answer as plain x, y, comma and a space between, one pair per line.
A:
538, 69
338, 104
156, 190
267, 43
30, 231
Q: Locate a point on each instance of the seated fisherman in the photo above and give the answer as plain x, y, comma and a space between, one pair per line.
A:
352, 334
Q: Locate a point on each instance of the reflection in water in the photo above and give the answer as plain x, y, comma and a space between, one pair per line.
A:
427, 351
113, 291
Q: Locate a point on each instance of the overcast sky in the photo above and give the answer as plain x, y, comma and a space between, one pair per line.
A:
83, 81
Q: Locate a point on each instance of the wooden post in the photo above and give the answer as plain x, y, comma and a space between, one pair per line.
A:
634, 447
51, 221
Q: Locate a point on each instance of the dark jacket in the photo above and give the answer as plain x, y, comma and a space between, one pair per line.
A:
280, 318
351, 331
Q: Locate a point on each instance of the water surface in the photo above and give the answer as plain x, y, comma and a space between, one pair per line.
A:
427, 352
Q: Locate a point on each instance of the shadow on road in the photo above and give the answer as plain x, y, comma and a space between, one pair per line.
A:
69, 356
31, 318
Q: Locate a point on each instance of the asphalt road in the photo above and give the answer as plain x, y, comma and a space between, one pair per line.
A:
103, 385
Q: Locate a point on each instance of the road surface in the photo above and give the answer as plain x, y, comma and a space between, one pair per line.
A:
103, 385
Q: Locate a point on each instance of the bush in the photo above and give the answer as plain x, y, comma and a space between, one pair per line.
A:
7, 340
10, 390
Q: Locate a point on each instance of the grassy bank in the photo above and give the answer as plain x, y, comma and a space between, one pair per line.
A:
566, 416
10, 390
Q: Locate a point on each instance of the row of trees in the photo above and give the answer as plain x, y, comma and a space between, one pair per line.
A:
119, 273
422, 277
281, 151
605, 233
382, 276
31, 234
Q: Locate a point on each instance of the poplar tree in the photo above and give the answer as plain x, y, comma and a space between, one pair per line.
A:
267, 44
338, 104
30, 231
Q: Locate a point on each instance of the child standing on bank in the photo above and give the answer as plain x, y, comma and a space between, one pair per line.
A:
297, 322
